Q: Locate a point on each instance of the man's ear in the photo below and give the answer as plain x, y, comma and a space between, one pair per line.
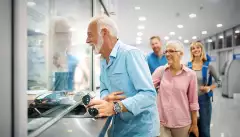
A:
105, 32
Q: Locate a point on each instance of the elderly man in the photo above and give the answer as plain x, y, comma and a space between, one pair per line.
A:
126, 88
156, 58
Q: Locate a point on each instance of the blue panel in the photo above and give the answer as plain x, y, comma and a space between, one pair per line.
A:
213, 58
236, 56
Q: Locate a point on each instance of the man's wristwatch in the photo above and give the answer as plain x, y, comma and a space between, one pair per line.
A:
117, 107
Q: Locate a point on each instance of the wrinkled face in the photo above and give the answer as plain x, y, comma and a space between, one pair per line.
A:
94, 38
156, 45
196, 50
172, 55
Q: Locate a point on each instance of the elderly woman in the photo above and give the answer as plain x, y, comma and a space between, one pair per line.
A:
177, 94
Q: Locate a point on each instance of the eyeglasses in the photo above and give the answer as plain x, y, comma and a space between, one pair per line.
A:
170, 51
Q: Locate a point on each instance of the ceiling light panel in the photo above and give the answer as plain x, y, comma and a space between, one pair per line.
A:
221, 37
137, 8
219, 25
194, 37
186, 41
166, 38
180, 38
180, 26
141, 27
192, 15
204, 32
172, 33
237, 31
142, 18
210, 40
138, 42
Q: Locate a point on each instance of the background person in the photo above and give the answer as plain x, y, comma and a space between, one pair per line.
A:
156, 58
199, 62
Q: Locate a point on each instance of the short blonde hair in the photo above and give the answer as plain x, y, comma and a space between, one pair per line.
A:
203, 55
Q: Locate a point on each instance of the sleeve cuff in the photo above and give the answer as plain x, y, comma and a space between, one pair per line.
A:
103, 95
127, 104
194, 106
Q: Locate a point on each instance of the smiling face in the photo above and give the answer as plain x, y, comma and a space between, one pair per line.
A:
156, 45
94, 37
173, 55
196, 50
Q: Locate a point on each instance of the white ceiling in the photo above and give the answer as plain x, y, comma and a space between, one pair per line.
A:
161, 18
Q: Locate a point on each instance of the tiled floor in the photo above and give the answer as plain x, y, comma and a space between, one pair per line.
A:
225, 117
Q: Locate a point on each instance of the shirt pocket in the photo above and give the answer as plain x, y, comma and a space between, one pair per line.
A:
117, 80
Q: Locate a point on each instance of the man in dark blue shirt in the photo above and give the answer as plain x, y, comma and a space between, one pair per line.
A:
156, 58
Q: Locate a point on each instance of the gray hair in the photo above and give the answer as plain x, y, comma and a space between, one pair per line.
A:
104, 21
176, 44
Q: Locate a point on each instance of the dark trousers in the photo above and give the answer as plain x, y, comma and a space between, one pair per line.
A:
205, 114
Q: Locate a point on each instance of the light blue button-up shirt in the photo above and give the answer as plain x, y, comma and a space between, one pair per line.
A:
128, 71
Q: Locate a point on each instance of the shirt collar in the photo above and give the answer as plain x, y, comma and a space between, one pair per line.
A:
183, 67
115, 49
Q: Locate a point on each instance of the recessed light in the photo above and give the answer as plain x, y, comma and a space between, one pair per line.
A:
166, 38
180, 26
31, 3
186, 41
142, 18
138, 38
141, 27
138, 42
137, 8
221, 37
210, 40
180, 38
237, 31
192, 15
172, 33
219, 25
72, 29
204, 32
37, 30
139, 33
194, 37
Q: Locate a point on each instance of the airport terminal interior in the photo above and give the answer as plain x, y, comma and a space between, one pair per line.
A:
50, 51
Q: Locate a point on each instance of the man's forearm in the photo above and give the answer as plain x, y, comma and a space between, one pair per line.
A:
194, 117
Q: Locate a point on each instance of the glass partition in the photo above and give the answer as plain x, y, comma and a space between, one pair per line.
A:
220, 39
59, 61
237, 36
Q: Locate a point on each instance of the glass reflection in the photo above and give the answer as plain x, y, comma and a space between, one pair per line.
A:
58, 59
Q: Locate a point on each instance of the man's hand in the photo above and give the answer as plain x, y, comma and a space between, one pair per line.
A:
104, 108
205, 88
115, 96
194, 129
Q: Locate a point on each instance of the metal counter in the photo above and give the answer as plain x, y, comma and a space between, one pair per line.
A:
75, 127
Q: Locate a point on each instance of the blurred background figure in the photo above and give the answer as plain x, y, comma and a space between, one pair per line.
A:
156, 58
